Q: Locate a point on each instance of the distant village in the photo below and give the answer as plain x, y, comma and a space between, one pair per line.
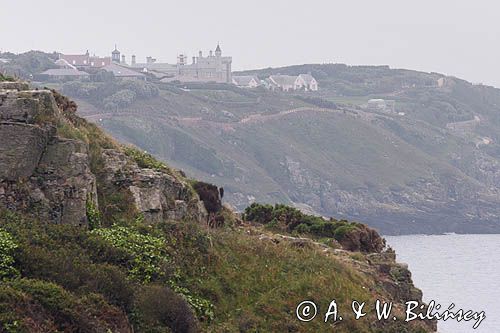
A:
213, 67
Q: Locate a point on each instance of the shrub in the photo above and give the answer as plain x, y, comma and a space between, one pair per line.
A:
352, 236
145, 160
120, 99
159, 306
149, 258
65, 310
259, 213
209, 194
7, 247
93, 214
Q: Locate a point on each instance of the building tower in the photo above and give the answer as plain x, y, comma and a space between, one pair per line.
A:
218, 51
115, 55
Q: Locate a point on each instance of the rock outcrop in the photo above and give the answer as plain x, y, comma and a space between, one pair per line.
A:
48, 175
40, 172
157, 195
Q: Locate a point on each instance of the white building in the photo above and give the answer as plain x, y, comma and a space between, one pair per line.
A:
379, 104
211, 68
246, 81
284, 82
308, 82
287, 82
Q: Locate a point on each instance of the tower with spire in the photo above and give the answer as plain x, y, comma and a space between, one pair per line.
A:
115, 55
218, 51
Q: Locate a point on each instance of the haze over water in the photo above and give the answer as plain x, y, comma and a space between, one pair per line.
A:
460, 269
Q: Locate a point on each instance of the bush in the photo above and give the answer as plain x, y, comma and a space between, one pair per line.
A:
149, 259
145, 160
120, 99
64, 311
209, 194
159, 306
352, 236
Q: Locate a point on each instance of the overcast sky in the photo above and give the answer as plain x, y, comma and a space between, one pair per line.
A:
460, 38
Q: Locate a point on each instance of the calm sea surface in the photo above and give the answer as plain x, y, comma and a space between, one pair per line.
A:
460, 269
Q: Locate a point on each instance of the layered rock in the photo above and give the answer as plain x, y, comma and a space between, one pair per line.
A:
47, 175
40, 172
156, 194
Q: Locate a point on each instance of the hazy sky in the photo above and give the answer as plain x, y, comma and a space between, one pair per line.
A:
460, 38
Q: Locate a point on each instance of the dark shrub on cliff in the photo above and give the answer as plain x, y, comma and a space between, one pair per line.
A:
209, 194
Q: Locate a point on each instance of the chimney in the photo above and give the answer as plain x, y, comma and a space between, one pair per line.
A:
194, 60
133, 60
123, 58
200, 54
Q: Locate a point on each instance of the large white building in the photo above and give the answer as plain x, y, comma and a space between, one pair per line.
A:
211, 68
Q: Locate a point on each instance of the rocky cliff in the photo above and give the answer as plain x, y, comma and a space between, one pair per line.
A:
46, 165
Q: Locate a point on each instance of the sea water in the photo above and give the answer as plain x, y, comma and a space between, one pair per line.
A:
459, 269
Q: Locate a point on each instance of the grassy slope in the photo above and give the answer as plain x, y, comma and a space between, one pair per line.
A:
253, 285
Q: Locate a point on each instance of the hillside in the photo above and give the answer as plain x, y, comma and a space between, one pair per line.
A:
431, 165
100, 237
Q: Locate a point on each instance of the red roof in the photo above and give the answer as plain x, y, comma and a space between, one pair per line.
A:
100, 62
76, 59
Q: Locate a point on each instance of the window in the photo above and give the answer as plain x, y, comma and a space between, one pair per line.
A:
74, 62
85, 62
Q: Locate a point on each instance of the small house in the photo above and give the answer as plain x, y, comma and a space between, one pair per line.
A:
246, 81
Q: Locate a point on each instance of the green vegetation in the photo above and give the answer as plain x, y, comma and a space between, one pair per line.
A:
111, 94
226, 279
6, 78
149, 258
28, 64
293, 220
352, 236
93, 214
145, 160
64, 268
7, 248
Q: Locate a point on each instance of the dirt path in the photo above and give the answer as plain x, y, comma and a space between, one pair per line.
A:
255, 118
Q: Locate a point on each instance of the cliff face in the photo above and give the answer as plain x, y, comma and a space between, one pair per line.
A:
49, 175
